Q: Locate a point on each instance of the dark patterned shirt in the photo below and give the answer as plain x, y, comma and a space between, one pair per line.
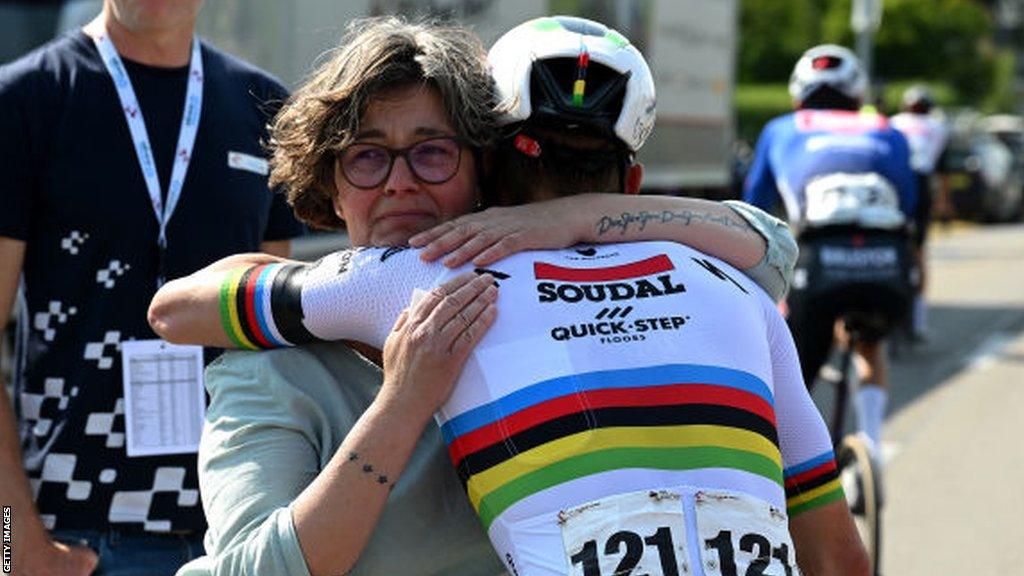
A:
74, 192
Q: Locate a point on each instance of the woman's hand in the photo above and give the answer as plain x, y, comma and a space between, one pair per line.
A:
431, 341
488, 236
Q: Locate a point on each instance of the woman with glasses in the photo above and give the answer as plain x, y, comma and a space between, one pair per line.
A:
304, 446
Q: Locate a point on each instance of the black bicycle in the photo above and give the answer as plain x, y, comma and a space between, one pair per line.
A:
859, 472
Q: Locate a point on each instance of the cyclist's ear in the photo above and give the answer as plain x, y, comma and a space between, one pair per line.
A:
634, 177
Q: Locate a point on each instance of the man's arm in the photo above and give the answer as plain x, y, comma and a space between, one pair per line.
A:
187, 310
346, 295
827, 543
824, 534
743, 236
32, 550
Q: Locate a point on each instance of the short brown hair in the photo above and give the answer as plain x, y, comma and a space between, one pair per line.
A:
563, 168
375, 55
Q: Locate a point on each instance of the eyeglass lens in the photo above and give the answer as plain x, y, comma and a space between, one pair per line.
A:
433, 161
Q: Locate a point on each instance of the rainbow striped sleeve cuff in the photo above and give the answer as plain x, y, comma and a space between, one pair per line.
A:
812, 483
261, 307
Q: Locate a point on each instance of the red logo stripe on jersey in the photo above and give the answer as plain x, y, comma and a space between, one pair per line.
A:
673, 394
842, 121
647, 267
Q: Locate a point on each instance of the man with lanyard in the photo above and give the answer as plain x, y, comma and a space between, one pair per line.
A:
125, 144
845, 179
927, 135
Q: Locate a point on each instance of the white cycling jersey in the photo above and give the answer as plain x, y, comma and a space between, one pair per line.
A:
634, 405
926, 136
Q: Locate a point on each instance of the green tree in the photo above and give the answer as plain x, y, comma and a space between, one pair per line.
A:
944, 40
773, 34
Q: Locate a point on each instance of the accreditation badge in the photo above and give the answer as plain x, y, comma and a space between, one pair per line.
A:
165, 403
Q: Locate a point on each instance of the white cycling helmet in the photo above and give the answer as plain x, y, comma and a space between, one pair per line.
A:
544, 71
828, 65
918, 99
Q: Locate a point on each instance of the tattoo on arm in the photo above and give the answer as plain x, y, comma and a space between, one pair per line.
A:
367, 468
626, 220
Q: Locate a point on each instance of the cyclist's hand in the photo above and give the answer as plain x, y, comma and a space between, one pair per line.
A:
488, 236
431, 341
56, 559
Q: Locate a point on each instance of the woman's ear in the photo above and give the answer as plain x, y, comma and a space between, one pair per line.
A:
336, 193
337, 208
634, 177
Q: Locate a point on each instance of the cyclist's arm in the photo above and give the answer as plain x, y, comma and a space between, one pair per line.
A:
827, 543
747, 237
348, 295
743, 236
187, 310
823, 532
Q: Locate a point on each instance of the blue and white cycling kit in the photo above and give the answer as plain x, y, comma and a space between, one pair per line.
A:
833, 167
927, 137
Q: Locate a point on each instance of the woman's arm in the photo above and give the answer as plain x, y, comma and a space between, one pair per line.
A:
423, 357
270, 506
744, 236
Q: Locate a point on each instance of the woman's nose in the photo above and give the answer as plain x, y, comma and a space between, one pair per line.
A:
401, 178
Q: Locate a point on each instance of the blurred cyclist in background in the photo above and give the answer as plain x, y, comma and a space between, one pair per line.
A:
927, 134
845, 179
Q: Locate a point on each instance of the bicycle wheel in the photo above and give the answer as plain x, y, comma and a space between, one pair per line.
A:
862, 484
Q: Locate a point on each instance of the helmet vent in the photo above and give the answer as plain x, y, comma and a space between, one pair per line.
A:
554, 103
825, 63
582, 26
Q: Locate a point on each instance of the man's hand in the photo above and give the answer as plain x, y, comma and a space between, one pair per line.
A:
56, 559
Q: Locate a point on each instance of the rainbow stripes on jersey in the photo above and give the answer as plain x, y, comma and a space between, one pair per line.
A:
812, 483
668, 417
261, 306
